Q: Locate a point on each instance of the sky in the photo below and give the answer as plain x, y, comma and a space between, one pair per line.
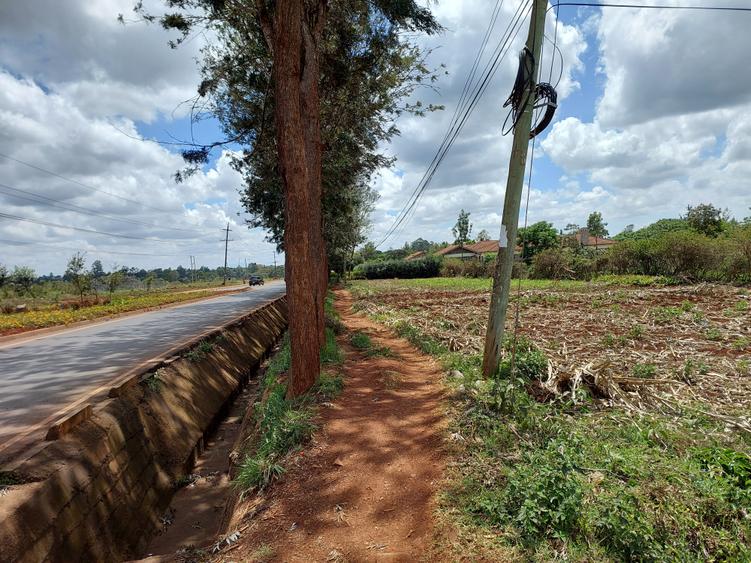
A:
654, 115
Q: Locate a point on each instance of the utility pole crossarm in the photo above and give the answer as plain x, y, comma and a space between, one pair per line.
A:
512, 201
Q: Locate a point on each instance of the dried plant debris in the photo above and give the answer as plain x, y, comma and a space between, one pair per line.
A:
665, 348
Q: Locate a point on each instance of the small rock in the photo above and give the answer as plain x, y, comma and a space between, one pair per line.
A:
461, 390
456, 374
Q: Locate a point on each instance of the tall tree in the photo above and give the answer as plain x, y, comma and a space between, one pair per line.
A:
462, 229
263, 78
77, 275
596, 226
536, 238
483, 235
23, 279
706, 219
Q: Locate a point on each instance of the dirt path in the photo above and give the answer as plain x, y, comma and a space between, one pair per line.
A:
364, 490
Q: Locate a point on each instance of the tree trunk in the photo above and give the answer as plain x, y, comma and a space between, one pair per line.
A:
311, 110
302, 206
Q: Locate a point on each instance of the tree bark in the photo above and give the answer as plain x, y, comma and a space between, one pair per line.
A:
300, 173
310, 106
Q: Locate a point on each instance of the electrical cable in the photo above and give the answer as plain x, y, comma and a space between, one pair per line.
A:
652, 6
415, 194
84, 230
38, 198
96, 251
56, 175
456, 127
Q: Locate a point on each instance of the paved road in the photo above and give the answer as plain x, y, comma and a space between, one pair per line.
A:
43, 374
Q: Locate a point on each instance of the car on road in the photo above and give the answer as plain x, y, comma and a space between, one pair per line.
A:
255, 280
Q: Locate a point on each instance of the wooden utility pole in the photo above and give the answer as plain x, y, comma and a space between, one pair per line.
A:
226, 244
512, 201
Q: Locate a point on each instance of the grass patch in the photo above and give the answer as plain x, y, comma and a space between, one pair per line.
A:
200, 351
362, 342
538, 480
283, 425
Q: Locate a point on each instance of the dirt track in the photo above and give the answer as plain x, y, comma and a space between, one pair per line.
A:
364, 490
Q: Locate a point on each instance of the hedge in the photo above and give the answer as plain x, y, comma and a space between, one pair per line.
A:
425, 268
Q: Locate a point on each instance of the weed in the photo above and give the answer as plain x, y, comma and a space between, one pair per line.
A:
612, 341
636, 332
184, 481
284, 424
154, 381
644, 371
361, 341
702, 367
687, 306
200, 351
713, 333
330, 353
328, 386
741, 306
741, 343
743, 367
666, 315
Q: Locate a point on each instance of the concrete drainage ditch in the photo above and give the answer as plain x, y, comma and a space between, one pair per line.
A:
99, 492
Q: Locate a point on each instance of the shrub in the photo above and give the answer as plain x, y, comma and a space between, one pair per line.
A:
472, 268
553, 264
425, 268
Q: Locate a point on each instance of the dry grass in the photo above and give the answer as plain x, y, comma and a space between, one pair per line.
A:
644, 348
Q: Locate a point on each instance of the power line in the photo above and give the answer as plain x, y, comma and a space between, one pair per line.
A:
96, 251
455, 128
56, 175
82, 229
653, 6
78, 209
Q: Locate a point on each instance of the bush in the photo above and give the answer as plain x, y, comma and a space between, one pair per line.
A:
552, 264
426, 268
472, 268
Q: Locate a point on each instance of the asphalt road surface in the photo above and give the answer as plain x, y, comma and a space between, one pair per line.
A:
41, 375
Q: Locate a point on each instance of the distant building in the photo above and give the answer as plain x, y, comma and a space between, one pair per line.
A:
416, 256
585, 240
475, 250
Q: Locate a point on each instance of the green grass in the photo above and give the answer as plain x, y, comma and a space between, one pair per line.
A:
285, 424
363, 343
485, 284
541, 479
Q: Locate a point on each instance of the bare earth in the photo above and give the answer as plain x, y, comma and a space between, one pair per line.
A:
364, 489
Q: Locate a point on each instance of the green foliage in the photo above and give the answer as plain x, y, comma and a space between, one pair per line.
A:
522, 358
644, 371
200, 351
596, 226
655, 230
23, 279
462, 229
362, 342
536, 238
424, 268
706, 219
330, 353
284, 424
600, 486
733, 466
